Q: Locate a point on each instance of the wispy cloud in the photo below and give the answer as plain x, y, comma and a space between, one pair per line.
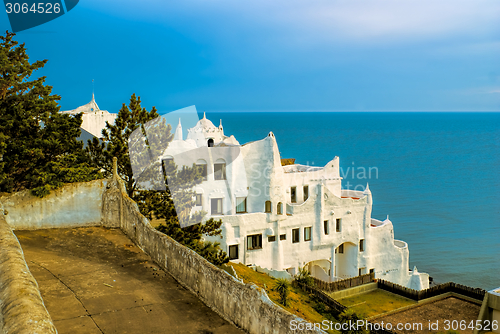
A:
325, 20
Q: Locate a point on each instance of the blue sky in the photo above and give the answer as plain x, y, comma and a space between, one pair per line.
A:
281, 55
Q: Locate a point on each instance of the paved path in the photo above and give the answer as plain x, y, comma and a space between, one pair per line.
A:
95, 280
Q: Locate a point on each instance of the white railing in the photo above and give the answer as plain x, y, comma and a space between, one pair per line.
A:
300, 169
352, 193
376, 222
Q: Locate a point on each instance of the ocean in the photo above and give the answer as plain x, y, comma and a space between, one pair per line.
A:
436, 174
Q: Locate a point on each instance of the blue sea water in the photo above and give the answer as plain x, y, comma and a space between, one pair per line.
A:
435, 174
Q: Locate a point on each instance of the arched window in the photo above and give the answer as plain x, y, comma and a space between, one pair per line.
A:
210, 142
280, 208
268, 207
220, 170
202, 167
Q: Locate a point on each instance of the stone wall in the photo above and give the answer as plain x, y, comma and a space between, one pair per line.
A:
21, 306
105, 202
75, 204
244, 305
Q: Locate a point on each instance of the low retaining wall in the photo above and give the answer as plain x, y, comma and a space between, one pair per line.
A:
474, 293
321, 295
343, 284
365, 288
75, 204
21, 305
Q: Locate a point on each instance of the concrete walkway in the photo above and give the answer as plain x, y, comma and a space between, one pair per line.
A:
95, 280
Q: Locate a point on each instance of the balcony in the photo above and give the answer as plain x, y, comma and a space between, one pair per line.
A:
400, 244
376, 223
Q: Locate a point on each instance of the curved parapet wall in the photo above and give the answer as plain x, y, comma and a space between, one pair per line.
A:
21, 306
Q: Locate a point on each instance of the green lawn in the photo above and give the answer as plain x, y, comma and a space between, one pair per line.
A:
375, 302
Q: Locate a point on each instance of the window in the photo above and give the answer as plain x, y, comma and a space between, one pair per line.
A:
325, 227
241, 204
295, 235
361, 271
340, 249
268, 206
280, 208
254, 241
307, 233
199, 200
362, 245
271, 238
293, 194
282, 236
168, 167
220, 171
210, 142
338, 224
216, 206
233, 252
306, 193
372, 270
203, 170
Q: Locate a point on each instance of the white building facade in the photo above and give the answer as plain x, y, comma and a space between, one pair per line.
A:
93, 119
285, 217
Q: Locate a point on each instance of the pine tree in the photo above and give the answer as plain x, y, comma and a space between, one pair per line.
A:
115, 141
138, 138
39, 149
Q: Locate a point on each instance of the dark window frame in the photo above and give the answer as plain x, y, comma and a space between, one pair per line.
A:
245, 201
256, 241
295, 235
361, 245
212, 206
229, 252
306, 192
338, 225
199, 200
271, 238
279, 208
306, 230
220, 173
204, 171
326, 227
282, 237
293, 194
268, 207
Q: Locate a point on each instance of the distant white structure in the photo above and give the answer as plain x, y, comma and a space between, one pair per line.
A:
285, 217
93, 118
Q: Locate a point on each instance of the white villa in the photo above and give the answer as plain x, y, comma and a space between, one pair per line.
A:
285, 217
93, 119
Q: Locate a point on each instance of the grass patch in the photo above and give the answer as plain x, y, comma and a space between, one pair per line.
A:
299, 302
375, 302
